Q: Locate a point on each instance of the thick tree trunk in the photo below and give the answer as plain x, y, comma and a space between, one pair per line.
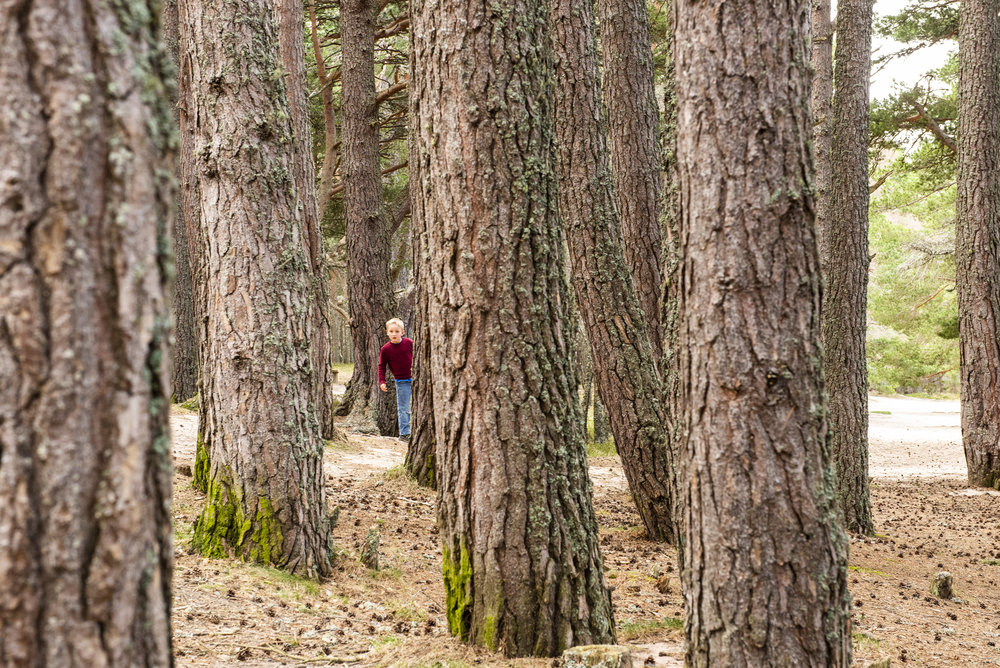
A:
624, 366
85, 472
292, 45
522, 567
184, 352
765, 557
371, 299
634, 142
265, 480
978, 237
844, 259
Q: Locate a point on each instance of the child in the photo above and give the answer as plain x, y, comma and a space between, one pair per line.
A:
398, 354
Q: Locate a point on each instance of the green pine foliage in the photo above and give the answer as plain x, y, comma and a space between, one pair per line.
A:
902, 139
920, 24
912, 311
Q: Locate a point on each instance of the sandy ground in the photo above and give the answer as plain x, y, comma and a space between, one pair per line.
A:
914, 438
926, 520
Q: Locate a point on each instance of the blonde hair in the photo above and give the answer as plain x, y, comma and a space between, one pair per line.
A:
395, 321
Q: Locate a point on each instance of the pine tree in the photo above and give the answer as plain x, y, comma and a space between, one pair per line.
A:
765, 572
259, 427
522, 566
86, 145
977, 247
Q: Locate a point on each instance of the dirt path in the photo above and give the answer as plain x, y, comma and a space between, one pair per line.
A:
229, 613
909, 438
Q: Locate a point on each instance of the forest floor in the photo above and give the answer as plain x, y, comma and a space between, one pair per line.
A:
227, 613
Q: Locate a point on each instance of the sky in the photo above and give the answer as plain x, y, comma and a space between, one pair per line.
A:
908, 69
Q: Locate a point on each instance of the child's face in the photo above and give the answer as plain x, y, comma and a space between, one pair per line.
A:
395, 333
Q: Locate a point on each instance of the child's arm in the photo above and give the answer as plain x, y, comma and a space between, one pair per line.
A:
381, 371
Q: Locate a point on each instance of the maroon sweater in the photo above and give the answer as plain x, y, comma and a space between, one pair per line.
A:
400, 359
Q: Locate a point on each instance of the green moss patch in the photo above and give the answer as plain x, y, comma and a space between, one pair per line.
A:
458, 590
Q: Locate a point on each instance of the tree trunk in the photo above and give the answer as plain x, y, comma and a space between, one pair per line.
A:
190, 218
421, 451
844, 259
978, 238
522, 566
292, 45
634, 142
371, 299
602, 430
184, 352
85, 472
624, 366
765, 561
266, 500
670, 315
822, 113
328, 168
586, 366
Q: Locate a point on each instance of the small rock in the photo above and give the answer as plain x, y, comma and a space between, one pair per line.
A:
369, 551
597, 656
942, 585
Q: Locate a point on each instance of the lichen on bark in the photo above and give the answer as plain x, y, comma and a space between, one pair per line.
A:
260, 443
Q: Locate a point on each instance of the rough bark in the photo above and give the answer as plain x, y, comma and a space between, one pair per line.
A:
184, 351
328, 168
265, 494
844, 260
602, 430
420, 454
586, 378
624, 366
634, 143
978, 238
822, 112
292, 46
85, 200
190, 218
371, 299
522, 567
765, 557
670, 315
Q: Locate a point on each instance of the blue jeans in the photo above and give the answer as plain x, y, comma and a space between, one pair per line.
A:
403, 388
